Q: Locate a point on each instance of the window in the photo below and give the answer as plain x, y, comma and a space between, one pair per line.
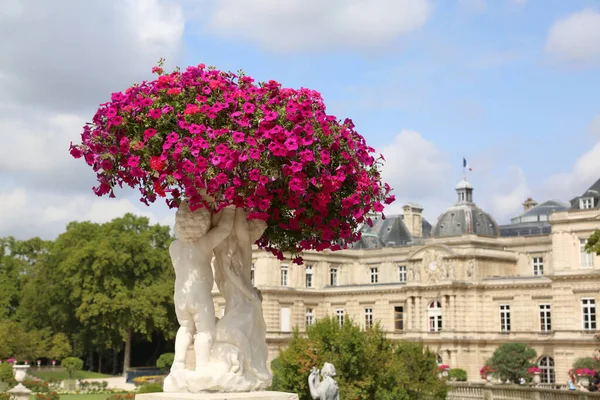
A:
368, 318
505, 317
252, 274
309, 276
402, 273
310, 317
435, 316
399, 318
586, 204
374, 275
333, 276
586, 259
588, 311
285, 314
339, 315
545, 322
547, 367
538, 265
284, 275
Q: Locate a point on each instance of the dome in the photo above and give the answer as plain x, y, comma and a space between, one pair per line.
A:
465, 217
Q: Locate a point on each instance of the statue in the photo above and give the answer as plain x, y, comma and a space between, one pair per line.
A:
191, 255
326, 389
231, 354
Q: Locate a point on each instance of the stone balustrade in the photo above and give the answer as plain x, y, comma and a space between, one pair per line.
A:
467, 391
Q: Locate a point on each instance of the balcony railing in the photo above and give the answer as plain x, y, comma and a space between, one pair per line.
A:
461, 391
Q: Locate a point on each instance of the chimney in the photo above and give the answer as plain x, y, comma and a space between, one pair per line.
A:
529, 204
413, 219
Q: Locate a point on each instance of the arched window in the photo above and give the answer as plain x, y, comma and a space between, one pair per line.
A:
547, 366
435, 316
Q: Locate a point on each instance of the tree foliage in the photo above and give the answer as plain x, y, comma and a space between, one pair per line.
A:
586, 363
511, 360
593, 243
72, 365
165, 361
59, 347
369, 366
457, 374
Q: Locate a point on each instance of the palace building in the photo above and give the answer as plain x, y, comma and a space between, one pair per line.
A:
462, 286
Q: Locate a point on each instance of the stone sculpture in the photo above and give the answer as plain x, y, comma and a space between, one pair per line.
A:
327, 389
231, 354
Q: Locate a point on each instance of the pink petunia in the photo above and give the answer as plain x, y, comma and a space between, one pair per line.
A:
238, 137
155, 113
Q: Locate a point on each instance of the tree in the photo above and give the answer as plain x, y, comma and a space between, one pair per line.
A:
120, 279
165, 361
59, 347
72, 365
586, 363
19, 343
593, 243
511, 360
369, 366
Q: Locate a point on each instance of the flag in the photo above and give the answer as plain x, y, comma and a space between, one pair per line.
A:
466, 165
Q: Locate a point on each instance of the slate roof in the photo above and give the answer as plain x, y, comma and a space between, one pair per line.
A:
593, 192
390, 232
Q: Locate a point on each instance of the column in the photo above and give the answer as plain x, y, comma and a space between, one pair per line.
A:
408, 307
418, 319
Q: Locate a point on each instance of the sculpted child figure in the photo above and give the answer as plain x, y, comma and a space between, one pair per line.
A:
191, 255
327, 389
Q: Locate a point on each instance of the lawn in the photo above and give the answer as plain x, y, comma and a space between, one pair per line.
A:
61, 374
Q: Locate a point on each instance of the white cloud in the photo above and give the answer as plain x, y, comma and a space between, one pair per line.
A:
584, 173
575, 39
418, 172
62, 60
72, 54
27, 213
508, 195
297, 25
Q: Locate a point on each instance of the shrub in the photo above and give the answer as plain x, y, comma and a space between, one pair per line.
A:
5, 396
6, 372
511, 360
150, 388
457, 375
586, 363
36, 385
165, 361
72, 365
120, 396
47, 396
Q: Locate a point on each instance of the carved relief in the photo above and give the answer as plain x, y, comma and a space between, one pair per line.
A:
434, 266
471, 267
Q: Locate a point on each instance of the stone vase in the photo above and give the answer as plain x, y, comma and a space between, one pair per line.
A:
20, 372
537, 378
489, 378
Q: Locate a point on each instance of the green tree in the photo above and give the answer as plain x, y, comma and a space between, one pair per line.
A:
17, 259
120, 279
369, 366
19, 343
593, 243
457, 374
72, 365
511, 360
165, 361
59, 347
586, 362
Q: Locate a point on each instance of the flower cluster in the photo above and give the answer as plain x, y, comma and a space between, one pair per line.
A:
485, 370
533, 370
442, 368
582, 372
201, 133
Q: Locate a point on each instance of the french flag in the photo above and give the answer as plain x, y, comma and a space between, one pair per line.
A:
466, 164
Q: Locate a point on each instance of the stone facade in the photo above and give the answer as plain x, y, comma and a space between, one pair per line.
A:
462, 296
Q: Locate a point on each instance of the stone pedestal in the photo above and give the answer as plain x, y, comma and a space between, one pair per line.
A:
218, 396
20, 392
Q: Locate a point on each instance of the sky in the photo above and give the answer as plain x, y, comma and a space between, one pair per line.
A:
511, 85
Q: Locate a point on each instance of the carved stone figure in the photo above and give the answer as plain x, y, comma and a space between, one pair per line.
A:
409, 274
471, 267
191, 255
327, 389
451, 274
231, 355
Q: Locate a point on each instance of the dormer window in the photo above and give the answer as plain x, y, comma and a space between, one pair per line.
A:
586, 203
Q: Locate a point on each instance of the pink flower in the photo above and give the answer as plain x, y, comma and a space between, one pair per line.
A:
248, 108
155, 113
271, 116
173, 91
106, 165
116, 121
254, 174
325, 157
238, 137
148, 133
291, 144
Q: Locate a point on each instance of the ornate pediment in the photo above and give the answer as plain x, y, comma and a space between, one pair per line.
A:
431, 264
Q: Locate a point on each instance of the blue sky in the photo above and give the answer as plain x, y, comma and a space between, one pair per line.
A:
512, 85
